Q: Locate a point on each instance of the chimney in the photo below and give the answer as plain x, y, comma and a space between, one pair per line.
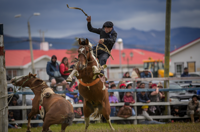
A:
44, 46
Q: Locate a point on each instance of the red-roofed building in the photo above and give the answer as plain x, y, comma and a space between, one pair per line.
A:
186, 56
18, 62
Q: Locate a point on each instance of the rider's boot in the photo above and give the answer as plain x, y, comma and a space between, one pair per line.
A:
73, 73
97, 70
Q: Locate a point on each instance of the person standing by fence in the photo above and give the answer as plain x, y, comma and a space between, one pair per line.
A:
193, 108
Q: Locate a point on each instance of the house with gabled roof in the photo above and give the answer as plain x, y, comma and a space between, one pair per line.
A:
186, 56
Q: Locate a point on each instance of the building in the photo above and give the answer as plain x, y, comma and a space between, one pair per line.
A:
186, 56
18, 62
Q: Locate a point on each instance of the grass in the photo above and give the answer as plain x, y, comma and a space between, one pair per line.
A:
104, 127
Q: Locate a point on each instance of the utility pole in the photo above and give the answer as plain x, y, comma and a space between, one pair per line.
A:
167, 50
3, 86
31, 49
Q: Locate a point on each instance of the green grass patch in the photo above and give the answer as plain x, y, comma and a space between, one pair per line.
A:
104, 127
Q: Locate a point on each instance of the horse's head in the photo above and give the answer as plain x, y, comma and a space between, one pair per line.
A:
23, 81
83, 53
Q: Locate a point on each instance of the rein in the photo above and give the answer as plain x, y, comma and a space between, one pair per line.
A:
31, 83
106, 50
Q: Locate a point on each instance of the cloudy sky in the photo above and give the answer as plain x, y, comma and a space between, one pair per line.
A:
59, 21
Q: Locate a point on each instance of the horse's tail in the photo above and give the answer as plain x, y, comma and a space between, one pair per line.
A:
68, 119
96, 113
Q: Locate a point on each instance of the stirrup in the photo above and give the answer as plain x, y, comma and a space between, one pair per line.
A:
95, 70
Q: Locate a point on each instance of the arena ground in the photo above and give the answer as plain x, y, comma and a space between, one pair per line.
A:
103, 127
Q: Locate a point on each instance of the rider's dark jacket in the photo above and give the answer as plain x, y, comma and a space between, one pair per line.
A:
109, 38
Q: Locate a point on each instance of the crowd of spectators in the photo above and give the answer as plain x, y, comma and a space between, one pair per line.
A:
115, 97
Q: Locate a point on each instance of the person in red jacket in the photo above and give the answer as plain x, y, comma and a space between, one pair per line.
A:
64, 66
128, 98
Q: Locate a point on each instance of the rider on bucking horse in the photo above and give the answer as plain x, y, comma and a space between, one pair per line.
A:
108, 37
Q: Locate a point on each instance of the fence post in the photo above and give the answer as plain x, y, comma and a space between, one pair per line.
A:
167, 49
3, 86
24, 111
135, 98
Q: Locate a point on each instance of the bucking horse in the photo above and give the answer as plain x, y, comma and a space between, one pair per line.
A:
52, 107
91, 88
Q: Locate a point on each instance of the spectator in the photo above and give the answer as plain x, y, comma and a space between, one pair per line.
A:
193, 108
150, 83
116, 94
11, 119
112, 99
64, 66
142, 85
138, 84
135, 73
145, 74
111, 82
142, 97
125, 112
17, 112
78, 113
129, 98
155, 96
129, 86
148, 119
177, 112
126, 75
160, 86
74, 96
186, 74
121, 94
10, 89
54, 73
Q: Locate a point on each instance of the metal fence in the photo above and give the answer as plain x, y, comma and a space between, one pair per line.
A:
136, 117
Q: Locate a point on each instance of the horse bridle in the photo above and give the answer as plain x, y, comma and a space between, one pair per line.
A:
85, 53
31, 83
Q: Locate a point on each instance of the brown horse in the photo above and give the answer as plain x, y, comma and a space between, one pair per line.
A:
58, 110
92, 90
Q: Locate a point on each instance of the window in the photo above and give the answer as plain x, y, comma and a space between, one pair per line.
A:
179, 68
12, 73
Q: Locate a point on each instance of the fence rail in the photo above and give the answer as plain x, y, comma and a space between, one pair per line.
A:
135, 118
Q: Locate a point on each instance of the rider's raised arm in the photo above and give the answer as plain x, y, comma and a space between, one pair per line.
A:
94, 30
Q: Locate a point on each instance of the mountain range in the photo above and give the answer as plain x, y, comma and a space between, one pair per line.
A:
152, 40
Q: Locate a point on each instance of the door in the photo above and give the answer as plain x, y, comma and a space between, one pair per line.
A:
191, 67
